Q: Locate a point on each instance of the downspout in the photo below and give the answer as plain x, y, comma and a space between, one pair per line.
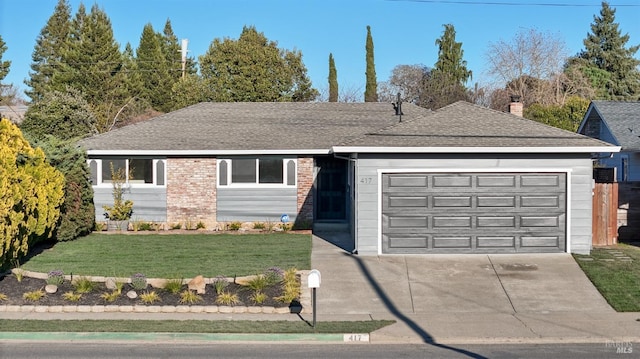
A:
353, 158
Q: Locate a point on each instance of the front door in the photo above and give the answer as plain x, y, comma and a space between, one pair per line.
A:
331, 189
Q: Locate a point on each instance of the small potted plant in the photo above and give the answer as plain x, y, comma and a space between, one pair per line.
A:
119, 214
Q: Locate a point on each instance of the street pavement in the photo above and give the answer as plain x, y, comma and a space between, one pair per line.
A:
434, 299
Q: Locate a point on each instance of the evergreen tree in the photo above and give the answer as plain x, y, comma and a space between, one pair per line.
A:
131, 70
93, 65
4, 65
188, 91
371, 89
171, 50
450, 55
605, 50
47, 54
333, 80
65, 115
154, 70
253, 68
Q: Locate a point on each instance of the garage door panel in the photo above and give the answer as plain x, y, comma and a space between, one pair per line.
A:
486, 201
539, 241
452, 201
495, 242
451, 222
407, 201
496, 181
408, 241
457, 181
495, 221
474, 213
416, 181
457, 242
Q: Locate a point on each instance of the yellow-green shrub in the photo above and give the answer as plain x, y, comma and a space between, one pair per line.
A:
31, 193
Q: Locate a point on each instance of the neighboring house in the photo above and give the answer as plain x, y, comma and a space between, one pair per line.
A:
14, 113
617, 123
462, 179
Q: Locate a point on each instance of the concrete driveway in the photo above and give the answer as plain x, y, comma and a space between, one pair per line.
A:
461, 298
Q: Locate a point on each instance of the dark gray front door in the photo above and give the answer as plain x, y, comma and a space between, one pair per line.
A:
473, 212
331, 189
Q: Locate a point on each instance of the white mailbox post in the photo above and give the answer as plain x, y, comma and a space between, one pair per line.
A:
313, 281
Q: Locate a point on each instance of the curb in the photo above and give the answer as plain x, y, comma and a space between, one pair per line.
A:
178, 337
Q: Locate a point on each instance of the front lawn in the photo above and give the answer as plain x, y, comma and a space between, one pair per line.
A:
616, 277
175, 255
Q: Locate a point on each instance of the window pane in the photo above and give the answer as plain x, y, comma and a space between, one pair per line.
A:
223, 173
160, 173
243, 170
291, 173
270, 170
141, 171
119, 166
93, 169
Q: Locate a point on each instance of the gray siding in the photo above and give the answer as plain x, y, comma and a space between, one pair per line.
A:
579, 187
149, 204
256, 204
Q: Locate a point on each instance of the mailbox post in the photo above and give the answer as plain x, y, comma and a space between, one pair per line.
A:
313, 281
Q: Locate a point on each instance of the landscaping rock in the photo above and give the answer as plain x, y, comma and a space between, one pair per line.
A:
197, 284
51, 288
110, 283
132, 294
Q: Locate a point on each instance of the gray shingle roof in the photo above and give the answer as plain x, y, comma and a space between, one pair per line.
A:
622, 119
463, 124
252, 126
244, 126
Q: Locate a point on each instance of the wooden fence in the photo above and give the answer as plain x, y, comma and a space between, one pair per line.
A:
605, 214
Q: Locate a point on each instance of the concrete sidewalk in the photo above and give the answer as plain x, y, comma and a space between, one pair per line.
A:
534, 298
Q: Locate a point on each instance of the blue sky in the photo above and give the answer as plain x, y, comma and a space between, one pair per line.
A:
404, 32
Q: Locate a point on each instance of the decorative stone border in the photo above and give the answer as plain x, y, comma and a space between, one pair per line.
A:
143, 309
305, 302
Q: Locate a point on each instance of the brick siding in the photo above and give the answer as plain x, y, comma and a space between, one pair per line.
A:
191, 191
305, 194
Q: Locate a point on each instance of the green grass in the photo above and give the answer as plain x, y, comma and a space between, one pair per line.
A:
617, 281
190, 326
164, 255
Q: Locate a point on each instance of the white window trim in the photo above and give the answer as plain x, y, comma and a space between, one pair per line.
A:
154, 164
230, 184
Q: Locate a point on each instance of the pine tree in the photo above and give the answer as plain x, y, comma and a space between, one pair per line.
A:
154, 70
450, 55
93, 64
4, 65
171, 50
605, 50
47, 54
333, 80
131, 70
371, 89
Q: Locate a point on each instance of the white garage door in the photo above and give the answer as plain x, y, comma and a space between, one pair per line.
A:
473, 212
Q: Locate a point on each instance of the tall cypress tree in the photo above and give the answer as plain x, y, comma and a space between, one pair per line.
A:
450, 55
605, 50
371, 89
333, 80
47, 54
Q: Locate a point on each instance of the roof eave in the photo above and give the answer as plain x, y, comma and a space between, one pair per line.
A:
195, 153
575, 149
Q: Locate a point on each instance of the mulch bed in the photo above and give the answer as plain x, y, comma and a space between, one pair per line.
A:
15, 290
